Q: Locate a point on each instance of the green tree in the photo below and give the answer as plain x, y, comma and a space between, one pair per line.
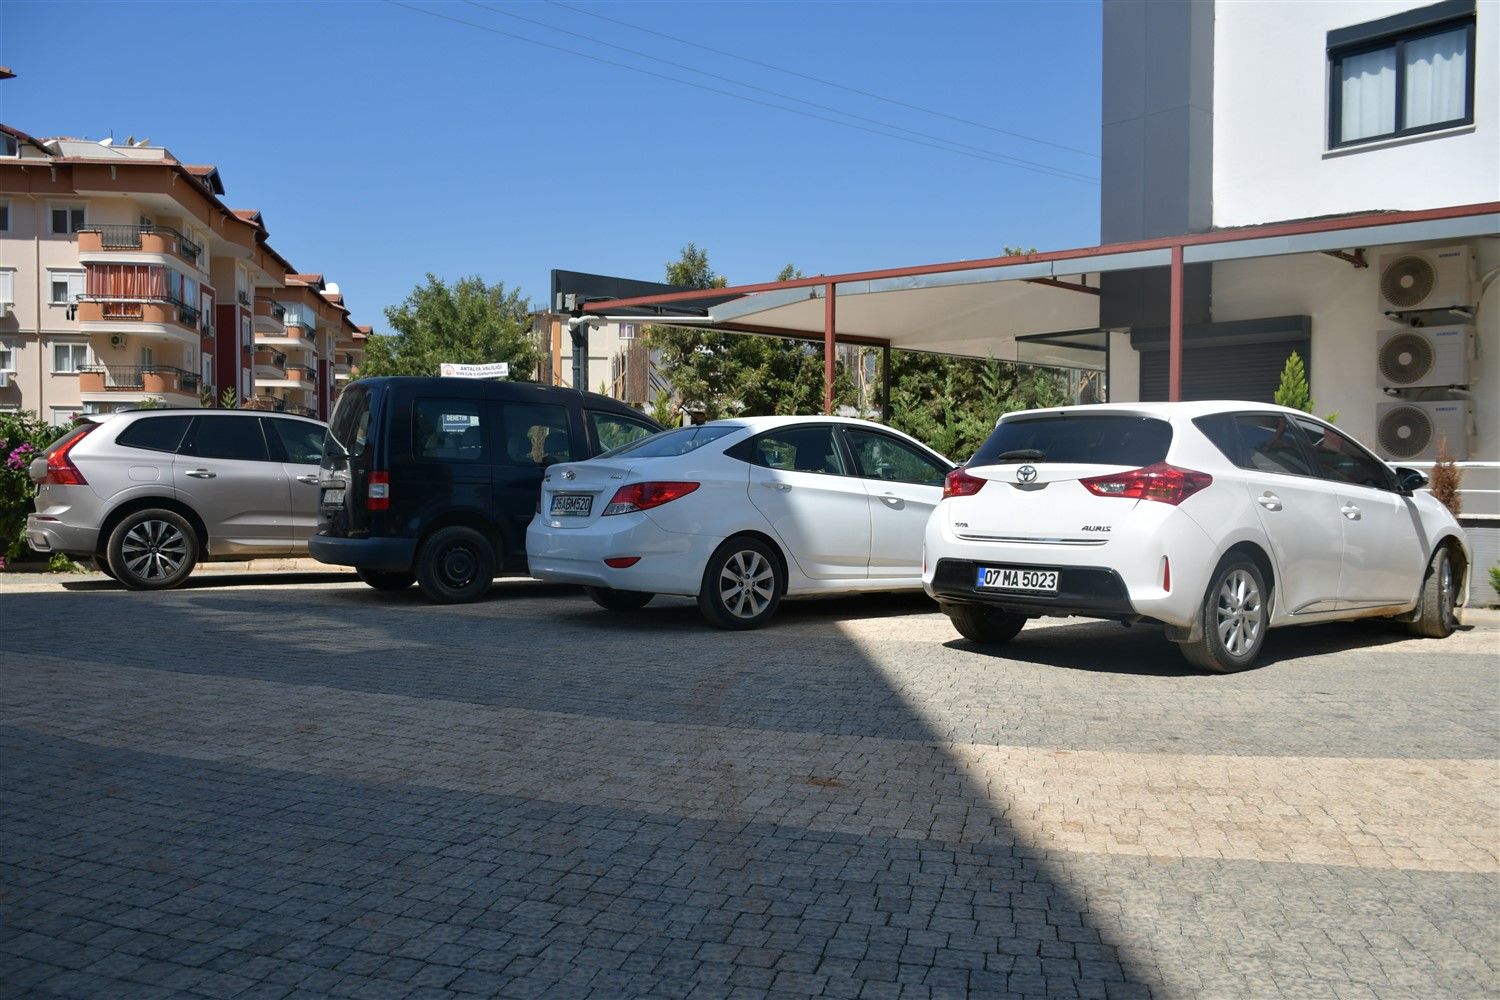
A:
732, 374
1294, 390
951, 404
469, 322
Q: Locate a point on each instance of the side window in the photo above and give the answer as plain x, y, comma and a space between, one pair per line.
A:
536, 434
880, 456
613, 430
447, 430
1343, 461
799, 449
237, 438
301, 442
154, 433
1268, 444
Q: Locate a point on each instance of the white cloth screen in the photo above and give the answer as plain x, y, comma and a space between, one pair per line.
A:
1367, 99
1437, 78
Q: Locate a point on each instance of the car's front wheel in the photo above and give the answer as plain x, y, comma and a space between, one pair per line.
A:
152, 550
1234, 617
380, 580
101, 563
986, 626
742, 585
1439, 608
619, 600
455, 565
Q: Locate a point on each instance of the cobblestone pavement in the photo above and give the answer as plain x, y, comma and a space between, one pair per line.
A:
248, 790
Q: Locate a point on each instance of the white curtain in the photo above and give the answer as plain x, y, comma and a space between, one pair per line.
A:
1437, 78
1367, 101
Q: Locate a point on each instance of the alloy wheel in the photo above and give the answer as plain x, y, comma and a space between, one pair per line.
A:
1241, 615
154, 550
746, 584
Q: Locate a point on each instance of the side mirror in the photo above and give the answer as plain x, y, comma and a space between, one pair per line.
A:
1410, 480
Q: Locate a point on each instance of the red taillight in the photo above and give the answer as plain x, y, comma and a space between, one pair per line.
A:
378, 494
1161, 482
644, 496
60, 468
621, 562
959, 483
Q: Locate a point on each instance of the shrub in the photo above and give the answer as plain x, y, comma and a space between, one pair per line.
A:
1447, 479
1495, 579
1294, 390
23, 436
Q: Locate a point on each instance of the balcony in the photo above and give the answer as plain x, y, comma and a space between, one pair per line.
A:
269, 363
105, 381
165, 316
163, 240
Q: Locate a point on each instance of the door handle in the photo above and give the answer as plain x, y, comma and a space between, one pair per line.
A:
893, 502
1269, 501
778, 487
201, 474
1350, 511
311, 480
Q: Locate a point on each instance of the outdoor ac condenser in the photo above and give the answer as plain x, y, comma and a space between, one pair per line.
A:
4, 379
1439, 278
1424, 356
1410, 432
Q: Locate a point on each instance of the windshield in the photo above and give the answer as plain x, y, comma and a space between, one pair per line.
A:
1083, 439
348, 431
678, 442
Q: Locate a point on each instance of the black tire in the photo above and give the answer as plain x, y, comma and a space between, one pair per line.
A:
152, 550
742, 585
619, 600
455, 565
1438, 607
986, 626
1233, 619
101, 563
382, 580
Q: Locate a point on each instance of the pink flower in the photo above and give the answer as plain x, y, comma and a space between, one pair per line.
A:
18, 459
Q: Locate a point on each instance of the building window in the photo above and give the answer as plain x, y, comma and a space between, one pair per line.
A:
7, 286
7, 358
68, 358
9, 146
67, 219
66, 287
1402, 75
4, 215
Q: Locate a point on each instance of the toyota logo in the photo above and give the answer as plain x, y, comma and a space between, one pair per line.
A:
570, 474
1026, 474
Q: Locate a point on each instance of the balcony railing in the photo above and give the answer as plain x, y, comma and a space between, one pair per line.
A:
188, 313
112, 237
275, 359
294, 408
136, 378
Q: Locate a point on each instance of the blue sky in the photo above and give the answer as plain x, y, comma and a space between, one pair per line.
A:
381, 142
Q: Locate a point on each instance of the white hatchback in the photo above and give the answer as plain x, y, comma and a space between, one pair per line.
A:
739, 514
1219, 519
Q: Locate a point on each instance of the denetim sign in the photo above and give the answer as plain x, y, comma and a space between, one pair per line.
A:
499, 369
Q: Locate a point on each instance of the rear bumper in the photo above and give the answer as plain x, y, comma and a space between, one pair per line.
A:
670, 562
57, 536
1090, 591
391, 555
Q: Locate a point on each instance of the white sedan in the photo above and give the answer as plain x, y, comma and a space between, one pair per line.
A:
739, 514
1220, 520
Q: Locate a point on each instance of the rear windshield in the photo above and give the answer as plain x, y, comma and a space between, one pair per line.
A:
348, 432
678, 442
1085, 439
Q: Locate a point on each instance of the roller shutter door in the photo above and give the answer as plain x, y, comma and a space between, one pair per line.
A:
1238, 360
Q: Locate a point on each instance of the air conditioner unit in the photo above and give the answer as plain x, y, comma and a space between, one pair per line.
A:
4, 379
1440, 278
117, 340
5, 308
1424, 356
1410, 432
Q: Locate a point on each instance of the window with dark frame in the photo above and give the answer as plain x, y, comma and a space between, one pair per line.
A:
1403, 75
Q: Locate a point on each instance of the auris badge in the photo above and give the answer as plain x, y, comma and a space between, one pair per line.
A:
569, 474
1026, 474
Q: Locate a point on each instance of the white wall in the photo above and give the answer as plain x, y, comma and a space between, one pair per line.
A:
1271, 121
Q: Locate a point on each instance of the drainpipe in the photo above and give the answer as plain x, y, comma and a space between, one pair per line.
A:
36, 253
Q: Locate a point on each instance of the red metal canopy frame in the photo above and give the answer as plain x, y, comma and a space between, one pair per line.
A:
1174, 244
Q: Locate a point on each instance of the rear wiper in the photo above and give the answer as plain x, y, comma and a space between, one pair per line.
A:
1020, 454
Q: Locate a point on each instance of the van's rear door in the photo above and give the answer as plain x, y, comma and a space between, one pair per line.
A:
344, 472
532, 436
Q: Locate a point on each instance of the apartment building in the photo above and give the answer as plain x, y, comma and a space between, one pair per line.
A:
125, 280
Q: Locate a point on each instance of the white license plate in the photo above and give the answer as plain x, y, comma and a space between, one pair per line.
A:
333, 498
572, 504
1042, 581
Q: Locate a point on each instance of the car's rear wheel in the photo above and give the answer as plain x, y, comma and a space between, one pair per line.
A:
1234, 618
382, 580
455, 565
152, 550
1439, 606
742, 585
619, 600
986, 626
